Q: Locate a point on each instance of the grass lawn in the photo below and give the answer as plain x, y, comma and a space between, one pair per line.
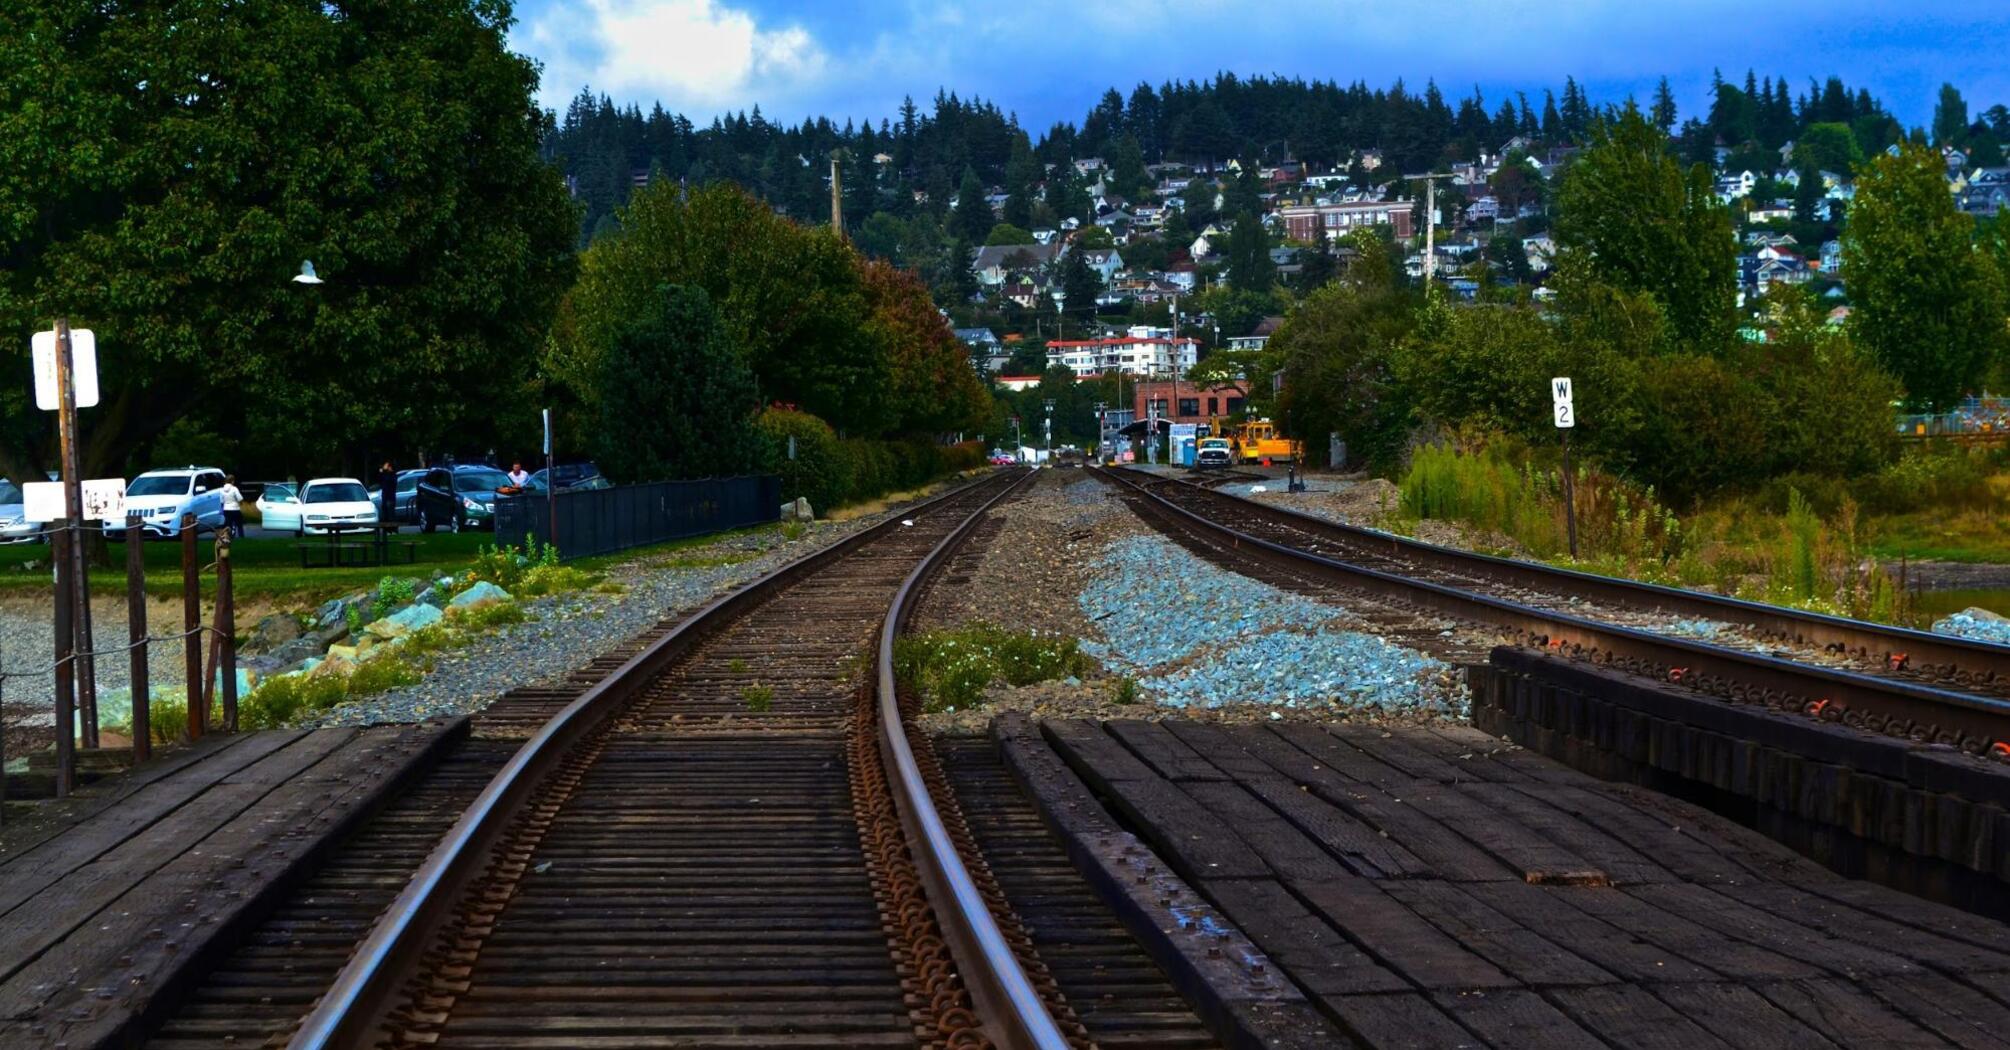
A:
1961, 535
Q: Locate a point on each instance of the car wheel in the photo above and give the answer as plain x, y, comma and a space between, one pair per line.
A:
425, 521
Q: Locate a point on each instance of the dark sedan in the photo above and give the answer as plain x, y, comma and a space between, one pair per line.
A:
457, 497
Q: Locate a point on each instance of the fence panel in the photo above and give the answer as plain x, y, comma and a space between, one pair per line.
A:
602, 521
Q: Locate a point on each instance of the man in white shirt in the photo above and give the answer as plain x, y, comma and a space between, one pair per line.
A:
233, 505
518, 475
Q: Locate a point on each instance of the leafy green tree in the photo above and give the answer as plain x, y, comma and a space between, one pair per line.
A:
1926, 304
1007, 234
1338, 352
168, 166
1095, 237
1636, 220
932, 387
1318, 268
789, 298
1828, 147
671, 366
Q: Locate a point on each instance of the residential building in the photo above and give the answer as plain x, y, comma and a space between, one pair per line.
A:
1486, 209
1258, 338
1130, 354
1028, 290
993, 263
1335, 219
1104, 261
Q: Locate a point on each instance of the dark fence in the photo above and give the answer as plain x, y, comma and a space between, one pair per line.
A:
602, 521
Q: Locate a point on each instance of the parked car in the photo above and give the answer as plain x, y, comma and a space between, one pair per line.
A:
537, 484
1213, 454
1003, 459
406, 492
279, 507
162, 497
14, 524
326, 502
458, 497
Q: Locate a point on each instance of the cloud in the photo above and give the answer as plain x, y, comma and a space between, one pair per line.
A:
694, 55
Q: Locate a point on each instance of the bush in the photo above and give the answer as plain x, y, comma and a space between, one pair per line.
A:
831, 471
951, 669
506, 566
381, 675
276, 702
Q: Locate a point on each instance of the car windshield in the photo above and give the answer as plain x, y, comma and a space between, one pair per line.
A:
9, 493
337, 492
479, 481
160, 485
278, 491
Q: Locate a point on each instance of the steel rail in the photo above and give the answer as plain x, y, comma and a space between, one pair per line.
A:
1015, 1016
1986, 719
1840, 632
349, 1013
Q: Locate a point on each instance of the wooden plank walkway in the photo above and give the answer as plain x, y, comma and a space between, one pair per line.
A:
109, 898
1434, 887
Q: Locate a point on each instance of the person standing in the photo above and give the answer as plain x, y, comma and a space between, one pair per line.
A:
233, 506
517, 475
387, 494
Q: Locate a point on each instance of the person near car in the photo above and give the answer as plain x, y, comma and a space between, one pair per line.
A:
233, 505
517, 475
387, 485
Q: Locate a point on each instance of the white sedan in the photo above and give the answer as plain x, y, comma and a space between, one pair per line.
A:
279, 507
327, 503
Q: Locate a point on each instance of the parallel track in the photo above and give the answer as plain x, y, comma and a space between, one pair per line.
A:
1913, 684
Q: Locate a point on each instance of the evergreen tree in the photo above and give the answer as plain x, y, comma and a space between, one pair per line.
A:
1249, 265
1552, 122
1079, 288
1664, 107
972, 220
1950, 118
1021, 172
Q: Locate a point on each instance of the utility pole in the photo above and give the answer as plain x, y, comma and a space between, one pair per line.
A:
1050, 429
837, 195
73, 512
1430, 225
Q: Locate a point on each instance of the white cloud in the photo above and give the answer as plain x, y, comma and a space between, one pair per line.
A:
691, 54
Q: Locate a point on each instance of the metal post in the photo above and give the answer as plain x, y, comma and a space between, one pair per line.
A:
73, 513
136, 635
226, 632
1569, 494
191, 625
66, 715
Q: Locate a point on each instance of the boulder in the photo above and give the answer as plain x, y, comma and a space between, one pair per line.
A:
798, 509
337, 665
335, 611
480, 596
271, 632
295, 651
403, 622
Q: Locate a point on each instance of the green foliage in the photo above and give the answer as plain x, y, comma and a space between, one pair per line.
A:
278, 701
1925, 303
1249, 267
506, 565
1126, 692
1005, 234
671, 366
759, 698
1805, 529
551, 579
1340, 349
488, 618
1830, 147
394, 591
950, 669
830, 471
170, 167
1637, 221
381, 674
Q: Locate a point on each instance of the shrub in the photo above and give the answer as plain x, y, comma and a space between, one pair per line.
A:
491, 616
951, 669
820, 472
382, 674
758, 698
506, 565
394, 591
277, 701
551, 579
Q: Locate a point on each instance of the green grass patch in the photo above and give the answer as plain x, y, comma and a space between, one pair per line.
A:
759, 698
951, 669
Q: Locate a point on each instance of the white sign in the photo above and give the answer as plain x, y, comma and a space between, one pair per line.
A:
104, 500
1559, 393
83, 368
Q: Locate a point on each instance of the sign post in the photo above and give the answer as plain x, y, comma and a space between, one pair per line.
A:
1566, 419
66, 379
551, 480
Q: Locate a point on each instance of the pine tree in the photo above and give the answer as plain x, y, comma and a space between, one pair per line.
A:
1950, 118
972, 220
1664, 107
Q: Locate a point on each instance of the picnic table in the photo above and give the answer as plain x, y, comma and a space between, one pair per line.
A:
373, 546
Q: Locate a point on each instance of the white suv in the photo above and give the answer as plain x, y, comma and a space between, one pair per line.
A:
163, 496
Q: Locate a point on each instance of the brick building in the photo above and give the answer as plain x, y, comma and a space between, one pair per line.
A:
1323, 222
1184, 402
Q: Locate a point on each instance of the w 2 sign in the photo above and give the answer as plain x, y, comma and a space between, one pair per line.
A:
1559, 393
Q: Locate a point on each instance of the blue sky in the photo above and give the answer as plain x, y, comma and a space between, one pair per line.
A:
1049, 60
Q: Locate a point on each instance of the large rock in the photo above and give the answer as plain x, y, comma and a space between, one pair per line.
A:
798, 509
335, 611
271, 632
404, 622
480, 596
337, 665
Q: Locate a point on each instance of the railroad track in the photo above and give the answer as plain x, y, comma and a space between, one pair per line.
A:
724, 833
1901, 682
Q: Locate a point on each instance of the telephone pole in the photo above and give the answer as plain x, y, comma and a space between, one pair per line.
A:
1430, 225
837, 195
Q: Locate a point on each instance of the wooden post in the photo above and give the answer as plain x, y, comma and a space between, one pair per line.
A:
1569, 494
82, 672
66, 716
226, 632
191, 625
136, 636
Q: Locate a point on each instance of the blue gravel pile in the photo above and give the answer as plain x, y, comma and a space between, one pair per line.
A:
1696, 628
1979, 624
1197, 636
